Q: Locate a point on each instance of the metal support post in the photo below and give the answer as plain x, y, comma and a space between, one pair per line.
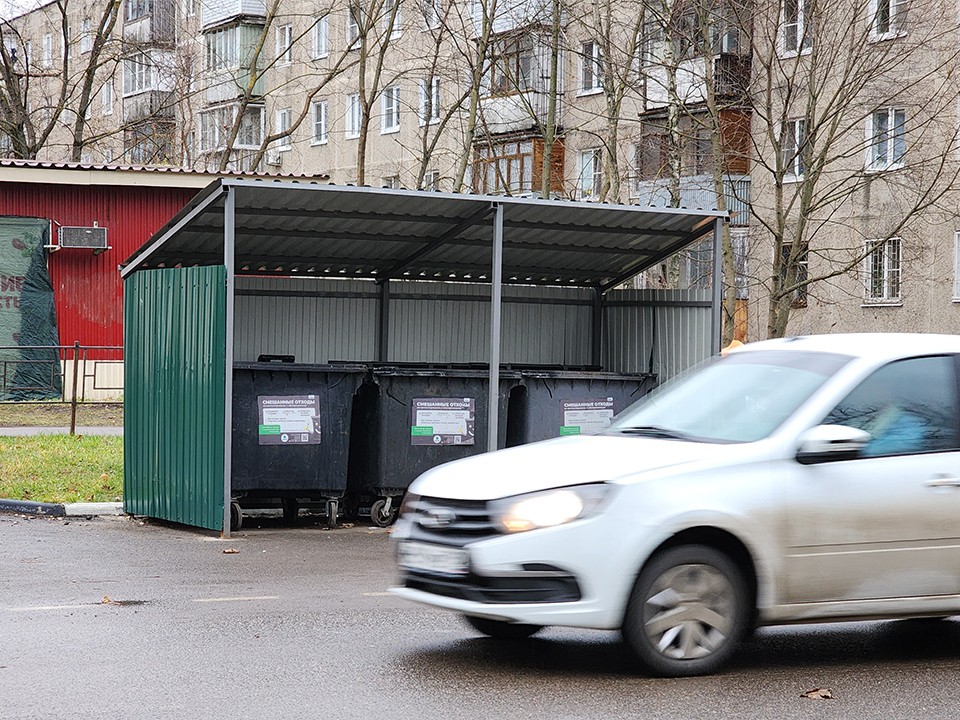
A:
229, 248
496, 278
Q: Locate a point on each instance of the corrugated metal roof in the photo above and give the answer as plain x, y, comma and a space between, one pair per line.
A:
285, 228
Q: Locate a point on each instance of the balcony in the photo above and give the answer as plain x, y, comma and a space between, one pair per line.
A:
217, 12
152, 104
157, 28
229, 84
697, 191
516, 112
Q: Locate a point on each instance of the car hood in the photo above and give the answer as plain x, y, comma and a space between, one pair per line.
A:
559, 462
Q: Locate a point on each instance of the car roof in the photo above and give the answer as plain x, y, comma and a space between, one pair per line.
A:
876, 346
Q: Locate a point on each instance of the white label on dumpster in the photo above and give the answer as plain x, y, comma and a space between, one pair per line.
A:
582, 417
289, 419
442, 421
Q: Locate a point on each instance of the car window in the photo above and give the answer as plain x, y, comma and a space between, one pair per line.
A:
907, 406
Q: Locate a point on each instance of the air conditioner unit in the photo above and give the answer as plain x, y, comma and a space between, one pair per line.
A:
91, 238
273, 157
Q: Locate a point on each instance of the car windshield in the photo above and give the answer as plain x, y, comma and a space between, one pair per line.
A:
739, 398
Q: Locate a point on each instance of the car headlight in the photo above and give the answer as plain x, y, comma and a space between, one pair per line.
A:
548, 508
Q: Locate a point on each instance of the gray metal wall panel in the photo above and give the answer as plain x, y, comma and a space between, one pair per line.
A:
653, 336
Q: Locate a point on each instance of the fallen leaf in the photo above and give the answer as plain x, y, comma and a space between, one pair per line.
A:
230, 551
106, 600
818, 694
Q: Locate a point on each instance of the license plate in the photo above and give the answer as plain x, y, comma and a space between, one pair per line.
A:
432, 558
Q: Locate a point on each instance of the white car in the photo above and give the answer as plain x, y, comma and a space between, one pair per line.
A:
799, 480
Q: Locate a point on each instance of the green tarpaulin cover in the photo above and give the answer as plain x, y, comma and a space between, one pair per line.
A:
27, 315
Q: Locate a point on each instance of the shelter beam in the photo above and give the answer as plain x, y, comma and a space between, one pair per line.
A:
229, 246
493, 397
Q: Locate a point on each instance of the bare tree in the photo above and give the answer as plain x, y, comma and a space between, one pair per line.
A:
854, 141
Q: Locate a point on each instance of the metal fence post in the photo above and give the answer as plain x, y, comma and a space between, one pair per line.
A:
73, 393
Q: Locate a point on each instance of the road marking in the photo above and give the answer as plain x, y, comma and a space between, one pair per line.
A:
376, 594
236, 599
52, 607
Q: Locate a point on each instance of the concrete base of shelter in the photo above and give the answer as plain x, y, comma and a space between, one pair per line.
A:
28, 507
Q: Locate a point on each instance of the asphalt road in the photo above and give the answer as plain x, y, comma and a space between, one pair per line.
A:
111, 618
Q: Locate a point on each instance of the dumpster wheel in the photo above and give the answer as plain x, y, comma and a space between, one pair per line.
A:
236, 517
332, 506
383, 512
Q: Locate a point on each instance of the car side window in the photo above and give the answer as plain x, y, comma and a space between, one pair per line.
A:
907, 406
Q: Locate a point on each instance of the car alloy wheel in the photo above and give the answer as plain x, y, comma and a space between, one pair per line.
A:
688, 611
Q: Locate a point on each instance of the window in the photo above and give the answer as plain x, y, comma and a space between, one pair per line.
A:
506, 168
138, 74
137, 9
391, 181
792, 148
701, 151
888, 18
883, 271
282, 127
429, 100
321, 38
651, 44
801, 270
430, 10
320, 127
390, 110
591, 173
86, 37
796, 31
431, 180
886, 138
652, 154
108, 156
956, 266
191, 7
591, 68
354, 15
221, 49
392, 12
352, 126
285, 44
907, 406
216, 124
510, 68
106, 97
47, 58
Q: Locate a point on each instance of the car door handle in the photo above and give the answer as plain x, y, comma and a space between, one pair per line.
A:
939, 481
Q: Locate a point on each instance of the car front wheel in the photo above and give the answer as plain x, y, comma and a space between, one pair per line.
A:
688, 611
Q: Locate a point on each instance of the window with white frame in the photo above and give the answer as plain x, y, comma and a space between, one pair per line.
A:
321, 130
591, 173
138, 74
390, 110
886, 138
137, 9
792, 148
591, 68
389, 6
354, 16
882, 269
887, 18
321, 38
429, 100
796, 35
28, 53
86, 36
801, 265
216, 125
956, 266
47, 57
284, 44
282, 128
352, 119
221, 49
430, 12
431, 180
390, 181
106, 97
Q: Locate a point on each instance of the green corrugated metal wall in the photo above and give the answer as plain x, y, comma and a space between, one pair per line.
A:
174, 365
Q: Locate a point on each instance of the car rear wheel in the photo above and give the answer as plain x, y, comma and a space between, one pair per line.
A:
500, 629
688, 611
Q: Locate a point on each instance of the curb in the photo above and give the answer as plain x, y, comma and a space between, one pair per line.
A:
28, 507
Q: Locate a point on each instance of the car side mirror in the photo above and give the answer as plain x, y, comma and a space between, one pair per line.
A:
829, 443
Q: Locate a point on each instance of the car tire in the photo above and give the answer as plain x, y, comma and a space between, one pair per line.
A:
500, 629
689, 610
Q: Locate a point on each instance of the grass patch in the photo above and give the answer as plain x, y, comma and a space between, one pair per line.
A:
58, 415
61, 468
